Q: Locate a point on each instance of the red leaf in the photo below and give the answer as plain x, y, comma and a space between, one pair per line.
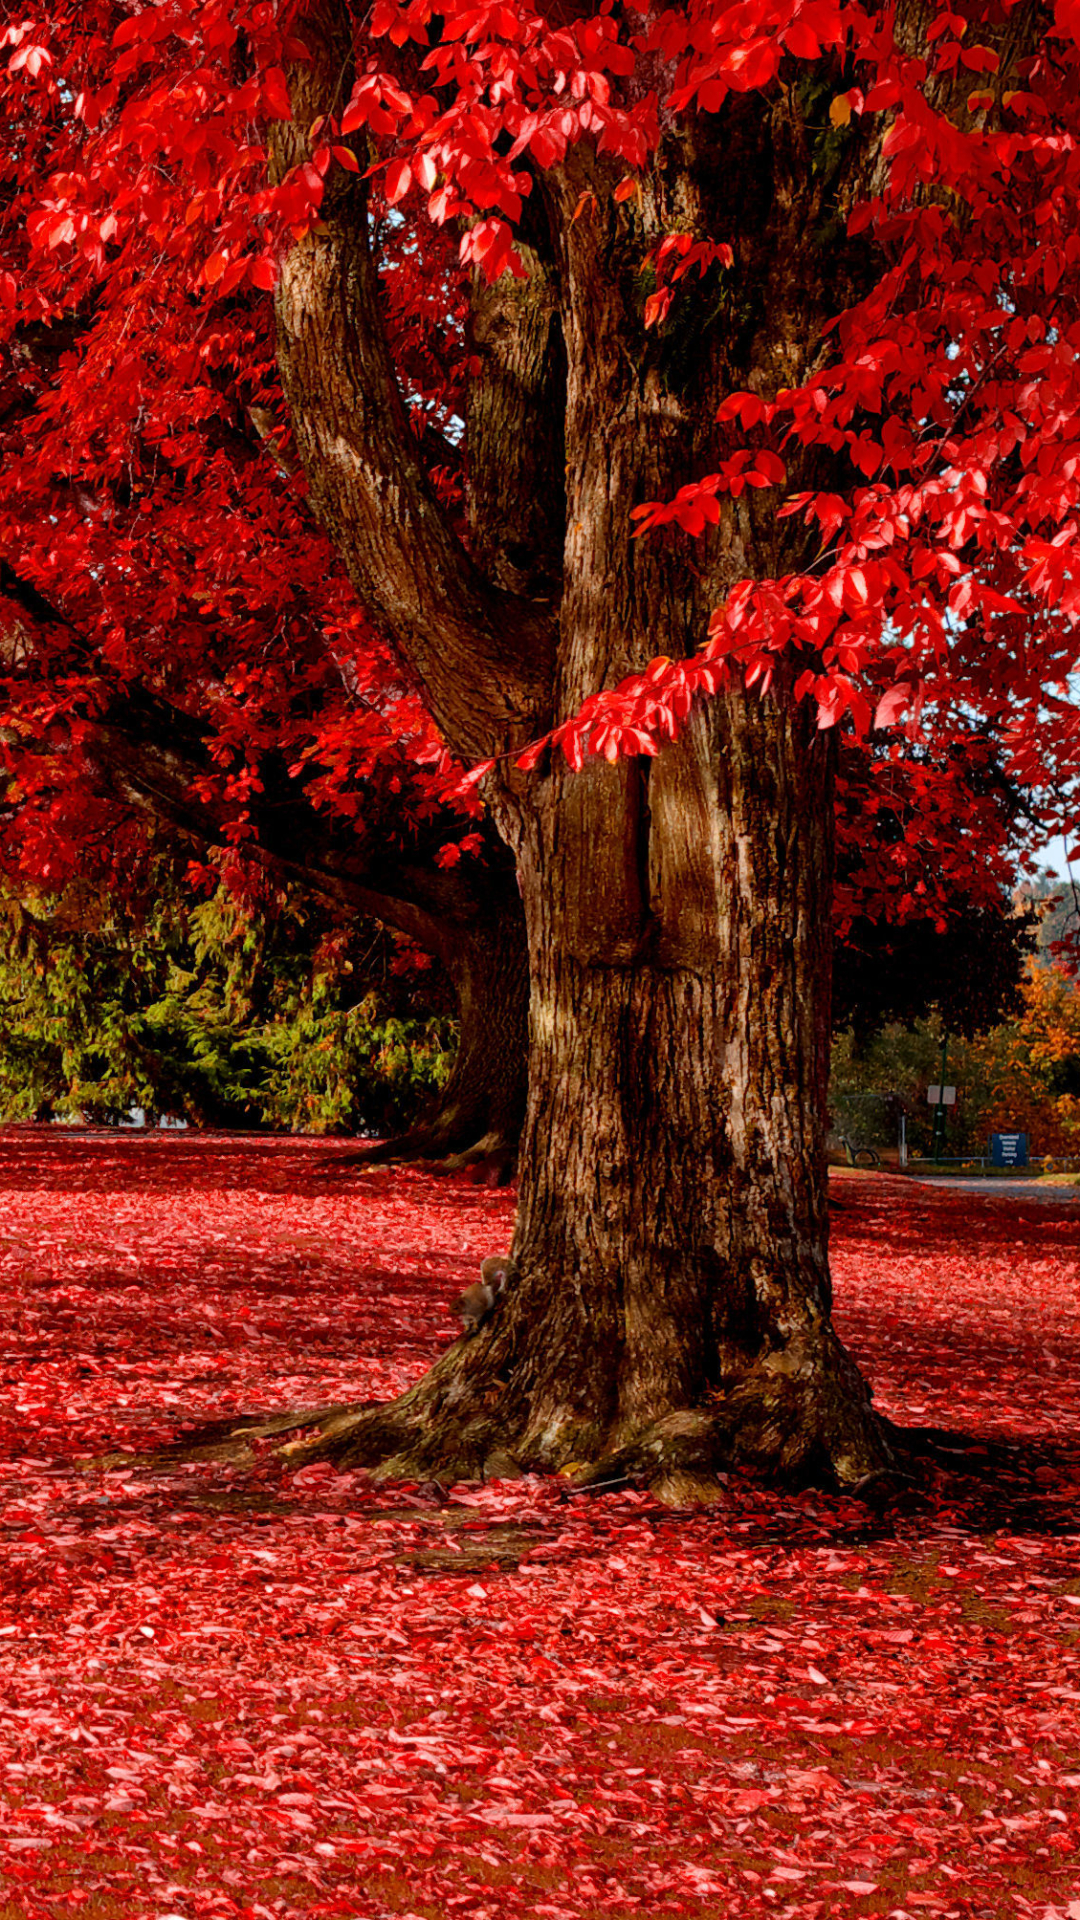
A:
748, 408
657, 305
275, 94
799, 39
398, 181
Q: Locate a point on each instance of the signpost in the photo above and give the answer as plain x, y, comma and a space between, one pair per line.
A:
939, 1096
1008, 1149
934, 1096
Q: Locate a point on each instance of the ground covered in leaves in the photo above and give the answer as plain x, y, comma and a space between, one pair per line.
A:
240, 1692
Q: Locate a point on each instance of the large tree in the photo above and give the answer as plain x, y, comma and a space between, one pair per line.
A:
662, 213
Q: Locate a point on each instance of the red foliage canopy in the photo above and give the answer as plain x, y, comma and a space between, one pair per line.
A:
153, 508
155, 532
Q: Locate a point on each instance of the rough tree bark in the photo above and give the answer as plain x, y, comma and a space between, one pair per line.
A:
672, 1311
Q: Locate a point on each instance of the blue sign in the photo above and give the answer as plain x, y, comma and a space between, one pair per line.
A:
1008, 1150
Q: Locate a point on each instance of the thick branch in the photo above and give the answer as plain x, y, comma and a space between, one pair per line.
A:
151, 756
481, 655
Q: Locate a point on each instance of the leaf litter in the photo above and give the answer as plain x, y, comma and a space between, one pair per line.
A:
239, 1691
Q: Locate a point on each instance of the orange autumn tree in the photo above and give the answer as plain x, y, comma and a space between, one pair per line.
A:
1030, 1069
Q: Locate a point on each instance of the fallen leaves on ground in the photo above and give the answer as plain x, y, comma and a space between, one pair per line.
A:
250, 1693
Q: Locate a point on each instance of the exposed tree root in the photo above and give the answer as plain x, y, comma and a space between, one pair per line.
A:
800, 1416
491, 1158
224, 1441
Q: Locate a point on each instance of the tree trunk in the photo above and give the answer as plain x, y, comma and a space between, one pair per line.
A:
476, 1120
671, 1310
673, 1224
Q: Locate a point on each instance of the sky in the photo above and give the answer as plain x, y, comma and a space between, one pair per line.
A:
1052, 855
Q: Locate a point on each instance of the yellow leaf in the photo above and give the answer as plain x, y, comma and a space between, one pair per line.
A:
840, 111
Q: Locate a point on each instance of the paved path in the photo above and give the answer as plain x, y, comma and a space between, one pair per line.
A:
1000, 1189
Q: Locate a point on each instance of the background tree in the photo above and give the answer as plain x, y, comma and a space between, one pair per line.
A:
930, 836
1056, 904
972, 972
247, 1007
1022, 1075
661, 214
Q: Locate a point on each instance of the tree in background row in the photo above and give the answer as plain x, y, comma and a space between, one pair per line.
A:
1022, 1075
221, 1011
762, 330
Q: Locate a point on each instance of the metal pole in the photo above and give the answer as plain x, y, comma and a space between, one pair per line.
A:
903, 1139
937, 1140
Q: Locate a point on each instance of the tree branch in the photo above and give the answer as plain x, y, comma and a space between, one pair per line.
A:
482, 655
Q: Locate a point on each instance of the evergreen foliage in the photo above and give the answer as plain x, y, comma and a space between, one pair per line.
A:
223, 1011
